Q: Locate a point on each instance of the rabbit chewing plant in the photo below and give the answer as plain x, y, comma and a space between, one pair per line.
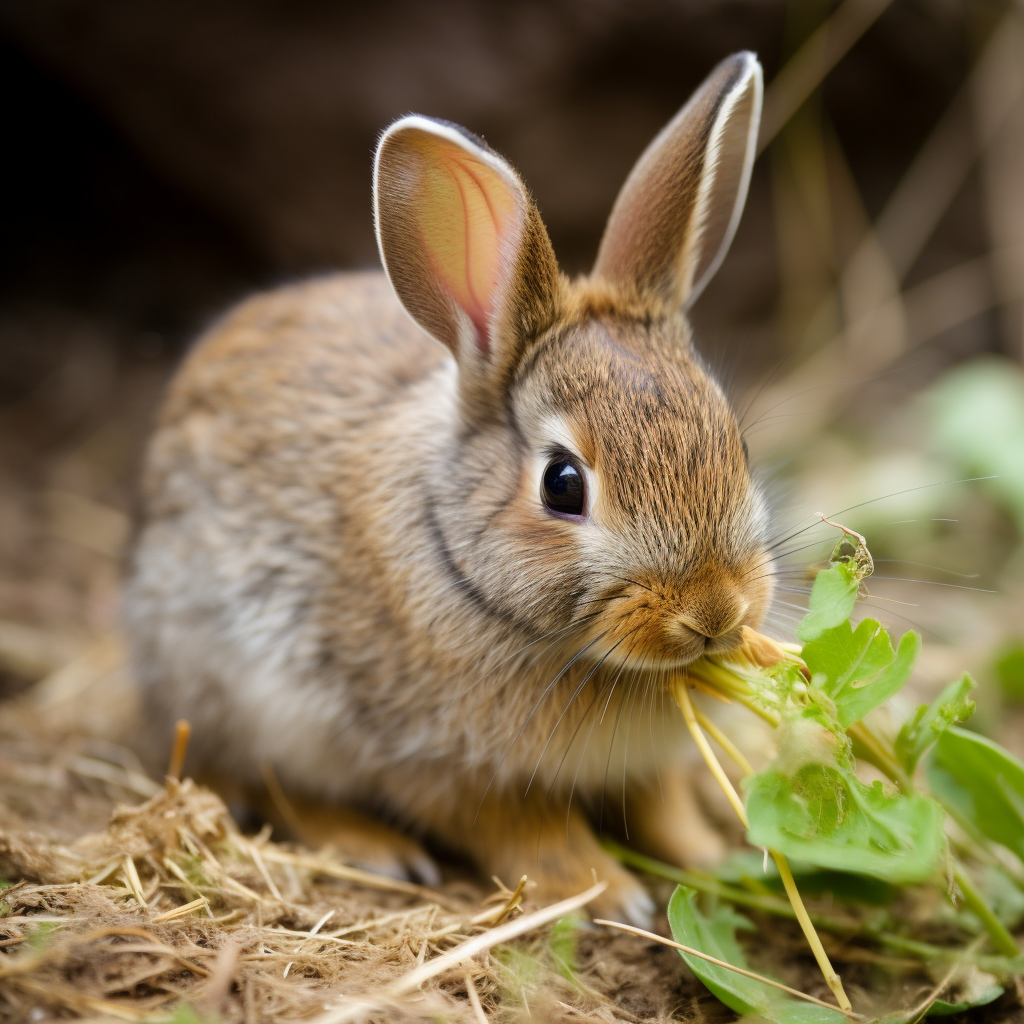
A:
427, 543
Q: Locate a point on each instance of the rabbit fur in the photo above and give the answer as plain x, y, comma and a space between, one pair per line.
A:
345, 569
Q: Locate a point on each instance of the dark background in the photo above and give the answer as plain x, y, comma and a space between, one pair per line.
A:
163, 158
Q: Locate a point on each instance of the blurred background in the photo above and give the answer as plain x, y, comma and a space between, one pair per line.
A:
162, 158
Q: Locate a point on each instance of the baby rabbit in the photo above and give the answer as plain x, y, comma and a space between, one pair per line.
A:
429, 543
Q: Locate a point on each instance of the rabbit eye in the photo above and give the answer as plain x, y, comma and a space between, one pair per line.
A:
746, 450
562, 487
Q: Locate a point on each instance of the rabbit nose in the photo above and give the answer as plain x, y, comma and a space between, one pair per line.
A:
716, 618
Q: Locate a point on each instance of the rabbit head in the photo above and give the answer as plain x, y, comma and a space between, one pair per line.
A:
595, 484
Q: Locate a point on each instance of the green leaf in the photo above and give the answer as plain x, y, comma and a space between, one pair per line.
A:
1009, 670
983, 783
563, 946
716, 936
985, 992
747, 868
858, 669
186, 1014
950, 708
832, 599
825, 816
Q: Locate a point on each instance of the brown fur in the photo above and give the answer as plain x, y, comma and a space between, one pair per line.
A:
346, 570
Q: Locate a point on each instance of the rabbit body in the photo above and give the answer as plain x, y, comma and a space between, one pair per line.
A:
353, 564
325, 620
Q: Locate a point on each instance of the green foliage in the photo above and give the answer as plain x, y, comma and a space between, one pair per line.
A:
825, 816
978, 419
563, 946
808, 803
982, 783
839, 832
716, 936
186, 1014
832, 599
987, 992
930, 721
1009, 670
857, 669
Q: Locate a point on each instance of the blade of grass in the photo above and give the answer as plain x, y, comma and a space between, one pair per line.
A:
723, 963
807, 68
409, 982
1001, 938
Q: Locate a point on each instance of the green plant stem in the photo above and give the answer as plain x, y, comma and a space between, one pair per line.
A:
832, 978
1001, 937
873, 750
681, 692
768, 904
998, 965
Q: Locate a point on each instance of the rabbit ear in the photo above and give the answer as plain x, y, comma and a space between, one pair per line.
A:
462, 242
675, 216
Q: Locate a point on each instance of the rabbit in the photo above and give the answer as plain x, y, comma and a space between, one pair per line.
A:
429, 543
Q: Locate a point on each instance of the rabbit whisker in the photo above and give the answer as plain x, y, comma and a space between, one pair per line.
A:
625, 747
615, 728
925, 565
536, 707
935, 583
572, 699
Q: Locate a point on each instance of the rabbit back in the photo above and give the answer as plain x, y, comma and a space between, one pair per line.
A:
249, 583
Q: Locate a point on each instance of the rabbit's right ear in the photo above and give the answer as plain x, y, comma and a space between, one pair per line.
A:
675, 216
463, 245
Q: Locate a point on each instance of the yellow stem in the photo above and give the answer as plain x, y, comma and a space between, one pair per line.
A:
831, 978
723, 741
682, 696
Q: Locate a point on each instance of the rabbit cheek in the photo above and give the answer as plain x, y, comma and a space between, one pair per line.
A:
758, 588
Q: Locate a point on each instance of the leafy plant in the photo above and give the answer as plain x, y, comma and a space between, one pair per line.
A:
809, 803
983, 784
716, 935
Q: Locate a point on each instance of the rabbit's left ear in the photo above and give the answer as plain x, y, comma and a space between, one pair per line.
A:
676, 215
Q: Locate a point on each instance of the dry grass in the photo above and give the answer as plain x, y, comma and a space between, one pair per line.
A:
131, 908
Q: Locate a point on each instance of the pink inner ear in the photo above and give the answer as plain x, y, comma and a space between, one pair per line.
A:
468, 216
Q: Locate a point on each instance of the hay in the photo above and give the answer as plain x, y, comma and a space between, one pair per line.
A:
127, 910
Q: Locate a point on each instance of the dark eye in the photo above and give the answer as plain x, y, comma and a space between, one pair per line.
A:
562, 487
746, 450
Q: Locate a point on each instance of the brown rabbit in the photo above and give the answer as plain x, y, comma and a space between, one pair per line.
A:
427, 543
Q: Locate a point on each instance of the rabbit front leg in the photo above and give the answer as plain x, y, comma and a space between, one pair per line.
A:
667, 821
358, 838
552, 844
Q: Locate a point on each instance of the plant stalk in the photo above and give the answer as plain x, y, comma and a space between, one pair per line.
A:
832, 979
1001, 938
874, 752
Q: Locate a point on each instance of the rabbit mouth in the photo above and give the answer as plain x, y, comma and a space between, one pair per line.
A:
660, 626
660, 644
